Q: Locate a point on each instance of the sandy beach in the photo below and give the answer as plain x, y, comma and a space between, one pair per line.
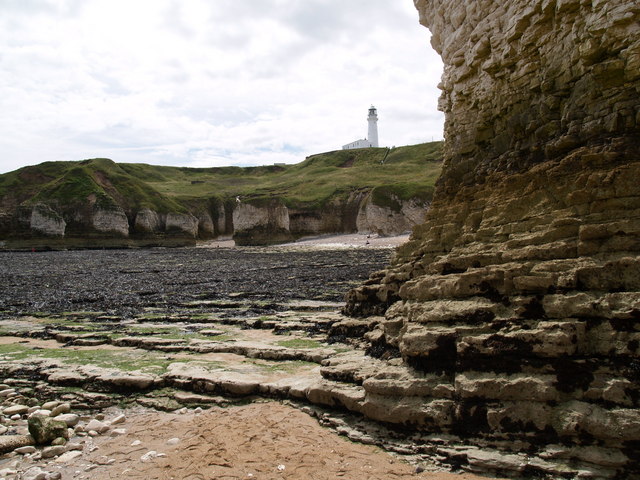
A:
260, 441
325, 242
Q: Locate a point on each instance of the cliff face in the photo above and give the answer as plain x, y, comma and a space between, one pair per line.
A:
388, 220
90, 226
527, 82
272, 222
46, 221
267, 222
516, 306
261, 225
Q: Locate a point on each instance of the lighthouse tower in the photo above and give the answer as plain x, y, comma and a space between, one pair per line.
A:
373, 126
372, 138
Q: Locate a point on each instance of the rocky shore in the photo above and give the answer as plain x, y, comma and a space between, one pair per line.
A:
97, 339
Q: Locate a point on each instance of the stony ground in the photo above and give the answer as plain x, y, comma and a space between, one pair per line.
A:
179, 341
126, 283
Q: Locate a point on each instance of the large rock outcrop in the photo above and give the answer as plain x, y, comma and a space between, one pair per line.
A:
46, 221
261, 224
184, 224
110, 221
338, 215
516, 307
147, 221
394, 218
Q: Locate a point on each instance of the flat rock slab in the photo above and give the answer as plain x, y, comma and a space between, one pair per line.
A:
9, 443
313, 305
15, 410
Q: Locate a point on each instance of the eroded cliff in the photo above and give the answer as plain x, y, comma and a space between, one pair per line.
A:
516, 307
99, 203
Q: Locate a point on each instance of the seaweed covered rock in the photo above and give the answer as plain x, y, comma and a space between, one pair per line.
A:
46, 429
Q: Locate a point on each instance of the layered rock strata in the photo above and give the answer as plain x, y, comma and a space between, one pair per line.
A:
515, 308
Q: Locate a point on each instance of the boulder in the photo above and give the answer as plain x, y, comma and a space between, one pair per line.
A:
71, 419
9, 443
15, 410
60, 409
46, 429
97, 426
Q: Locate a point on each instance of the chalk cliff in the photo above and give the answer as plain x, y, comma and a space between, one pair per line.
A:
515, 308
262, 224
110, 221
269, 222
391, 219
46, 221
99, 203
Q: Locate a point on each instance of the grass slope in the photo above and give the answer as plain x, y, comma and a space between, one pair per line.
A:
406, 172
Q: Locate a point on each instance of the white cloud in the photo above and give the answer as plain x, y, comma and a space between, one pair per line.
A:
200, 83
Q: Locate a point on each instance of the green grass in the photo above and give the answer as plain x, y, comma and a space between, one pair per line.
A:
200, 316
15, 351
74, 186
63, 390
81, 314
392, 174
152, 316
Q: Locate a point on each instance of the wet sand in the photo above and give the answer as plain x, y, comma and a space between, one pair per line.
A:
261, 441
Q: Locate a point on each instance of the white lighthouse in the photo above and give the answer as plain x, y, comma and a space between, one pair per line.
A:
373, 126
372, 140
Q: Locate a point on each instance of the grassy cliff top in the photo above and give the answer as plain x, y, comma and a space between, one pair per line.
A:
406, 172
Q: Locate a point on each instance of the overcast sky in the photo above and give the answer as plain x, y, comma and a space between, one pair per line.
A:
203, 83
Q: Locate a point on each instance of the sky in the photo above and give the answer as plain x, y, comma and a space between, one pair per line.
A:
205, 83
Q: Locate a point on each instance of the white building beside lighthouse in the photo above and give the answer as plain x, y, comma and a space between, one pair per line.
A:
372, 137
